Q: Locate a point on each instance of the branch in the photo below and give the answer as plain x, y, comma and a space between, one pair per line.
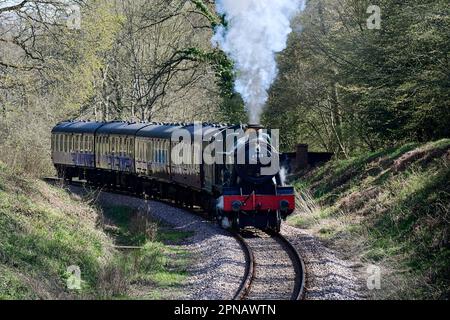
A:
14, 7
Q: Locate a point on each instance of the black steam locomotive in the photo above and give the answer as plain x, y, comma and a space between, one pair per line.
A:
162, 161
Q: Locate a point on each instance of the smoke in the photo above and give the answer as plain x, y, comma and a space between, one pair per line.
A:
256, 30
283, 175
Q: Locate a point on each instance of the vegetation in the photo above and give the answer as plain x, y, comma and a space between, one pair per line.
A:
342, 87
348, 89
44, 231
390, 208
128, 60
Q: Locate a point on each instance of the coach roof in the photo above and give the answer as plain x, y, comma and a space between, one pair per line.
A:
77, 127
121, 128
159, 131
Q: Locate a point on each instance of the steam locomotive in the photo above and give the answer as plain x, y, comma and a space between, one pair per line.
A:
163, 162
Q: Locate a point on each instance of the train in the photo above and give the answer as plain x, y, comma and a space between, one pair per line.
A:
162, 161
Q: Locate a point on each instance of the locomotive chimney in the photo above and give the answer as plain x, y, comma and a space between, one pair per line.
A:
253, 128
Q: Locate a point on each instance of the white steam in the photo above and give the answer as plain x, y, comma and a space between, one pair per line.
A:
256, 31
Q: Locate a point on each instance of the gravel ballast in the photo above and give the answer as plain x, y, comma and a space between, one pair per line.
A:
327, 276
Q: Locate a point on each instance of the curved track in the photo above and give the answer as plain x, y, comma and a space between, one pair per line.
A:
274, 268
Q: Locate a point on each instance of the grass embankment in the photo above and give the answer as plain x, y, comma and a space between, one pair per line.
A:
391, 209
44, 230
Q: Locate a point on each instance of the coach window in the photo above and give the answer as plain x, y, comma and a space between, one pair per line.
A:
138, 154
148, 151
82, 145
144, 154
113, 145
66, 142
102, 146
159, 152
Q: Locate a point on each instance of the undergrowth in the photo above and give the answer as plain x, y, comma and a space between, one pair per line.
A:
391, 209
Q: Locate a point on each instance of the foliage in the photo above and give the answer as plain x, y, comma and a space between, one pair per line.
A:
346, 89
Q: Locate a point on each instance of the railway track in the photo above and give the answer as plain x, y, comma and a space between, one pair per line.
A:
274, 268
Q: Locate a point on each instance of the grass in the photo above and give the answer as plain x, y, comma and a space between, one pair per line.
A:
154, 263
44, 230
389, 208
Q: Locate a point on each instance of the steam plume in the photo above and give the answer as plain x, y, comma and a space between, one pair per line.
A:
256, 31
